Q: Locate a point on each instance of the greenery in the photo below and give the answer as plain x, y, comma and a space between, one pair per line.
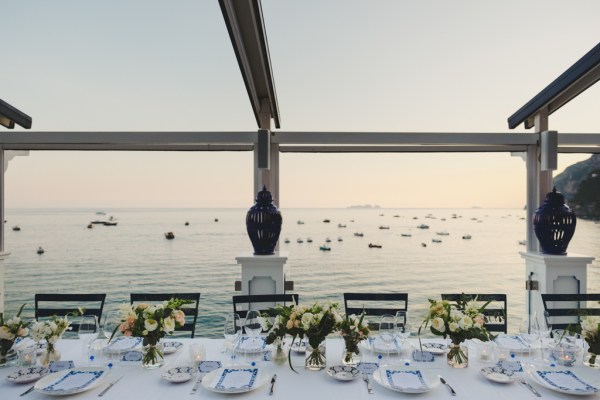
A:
10, 329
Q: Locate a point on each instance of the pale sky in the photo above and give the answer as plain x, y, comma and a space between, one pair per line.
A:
345, 65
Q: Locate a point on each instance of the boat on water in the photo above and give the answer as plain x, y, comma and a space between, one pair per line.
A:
286, 240
359, 234
327, 240
300, 222
170, 235
442, 233
100, 213
523, 242
396, 216
187, 223
97, 222
340, 239
90, 226
325, 248
341, 225
405, 235
423, 245
436, 240
40, 250
299, 240
467, 236
423, 226
110, 223
384, 227
308, 240
16, 228
374, 246
216, 219
326, 221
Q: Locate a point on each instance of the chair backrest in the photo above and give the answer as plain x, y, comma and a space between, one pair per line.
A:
60, 304
261, 302
190, 310
379, 304
567, 309
495, 313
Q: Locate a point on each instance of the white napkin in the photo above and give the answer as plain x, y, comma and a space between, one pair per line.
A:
565, 380
404, 380
124, 343
231, 379
73, 380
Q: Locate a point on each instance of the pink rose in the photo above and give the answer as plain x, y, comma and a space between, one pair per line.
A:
142, 306
180, 317
127, 333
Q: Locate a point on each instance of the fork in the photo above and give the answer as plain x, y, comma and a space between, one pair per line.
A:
368, 381
197, 384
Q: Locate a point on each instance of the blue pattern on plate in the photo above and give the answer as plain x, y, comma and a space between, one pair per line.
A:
423, 356
514, 366
132, 356
587, 387
390, 374
94, 375
253, 376
260, 339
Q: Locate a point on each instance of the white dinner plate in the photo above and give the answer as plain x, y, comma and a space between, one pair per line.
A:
261, 378
171, 346
425, 380
498, 374
123, 344
71, 381
343, 372
564, 381
179, 374
26, 375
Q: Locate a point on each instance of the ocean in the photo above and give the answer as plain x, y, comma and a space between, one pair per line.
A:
134, 256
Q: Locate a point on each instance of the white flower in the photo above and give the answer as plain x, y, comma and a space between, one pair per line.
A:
307, 319
465, 322
438, 325
53, 339
150, 325
169, 325
453, 326
5, 333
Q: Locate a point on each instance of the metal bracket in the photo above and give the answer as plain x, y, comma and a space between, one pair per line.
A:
238, 286
288, 285
532, 285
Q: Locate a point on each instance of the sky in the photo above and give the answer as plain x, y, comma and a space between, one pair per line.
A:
339, 65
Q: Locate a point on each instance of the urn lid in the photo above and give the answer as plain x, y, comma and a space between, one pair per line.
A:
555, 198
264, 196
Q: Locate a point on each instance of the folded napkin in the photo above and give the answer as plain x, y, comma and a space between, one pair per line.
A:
235, 379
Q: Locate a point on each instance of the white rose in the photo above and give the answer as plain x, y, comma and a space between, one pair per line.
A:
169, 325
453, 326
53, 339
438, 325
150, 325
5, 333
465, 322
307, 319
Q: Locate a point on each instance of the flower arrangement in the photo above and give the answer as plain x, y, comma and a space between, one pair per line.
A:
353, 330
314, 323
151, 323
590, 330
52, 330
10, 329
459, 321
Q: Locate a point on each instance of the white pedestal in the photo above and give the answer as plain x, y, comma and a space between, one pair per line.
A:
263, 274
555, 275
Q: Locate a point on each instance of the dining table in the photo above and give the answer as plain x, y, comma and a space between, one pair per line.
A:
131, 381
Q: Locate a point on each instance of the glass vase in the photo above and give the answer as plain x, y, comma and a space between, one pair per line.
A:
458, 356
279, 354
351, 355
592, 360
50, 354
315, 357
153, 356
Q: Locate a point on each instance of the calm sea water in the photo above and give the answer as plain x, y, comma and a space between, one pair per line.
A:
134, 256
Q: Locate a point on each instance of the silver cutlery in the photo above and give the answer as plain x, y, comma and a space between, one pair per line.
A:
448, 386
102, 393
528, 386
272, 384
197, 384
27, 391
368, 381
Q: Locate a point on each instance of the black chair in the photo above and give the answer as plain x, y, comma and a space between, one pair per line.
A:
380, 304
495, 312
60, 304
190, 310
261, 302
566, 310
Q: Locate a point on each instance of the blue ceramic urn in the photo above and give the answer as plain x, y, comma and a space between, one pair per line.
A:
263, 223
554, 224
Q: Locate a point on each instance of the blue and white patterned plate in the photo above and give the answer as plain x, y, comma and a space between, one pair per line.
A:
564, 381
179, 374
434, 347
235, 380
26, 375
498, 374
343, 372
171, 346
406, 380
71, 381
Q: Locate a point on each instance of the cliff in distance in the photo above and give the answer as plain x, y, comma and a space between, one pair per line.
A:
580, 184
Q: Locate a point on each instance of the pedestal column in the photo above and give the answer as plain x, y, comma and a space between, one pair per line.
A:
263, 274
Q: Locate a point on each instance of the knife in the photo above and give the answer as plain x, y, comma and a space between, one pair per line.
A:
528, 386
272, 384
102, 393
195, 388
448, 386
27, 391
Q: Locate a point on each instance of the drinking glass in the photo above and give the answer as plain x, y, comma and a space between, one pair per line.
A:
403, 326
541, 328
110, 323
88, 332
528, 335
232, 332
387, 331
253, 325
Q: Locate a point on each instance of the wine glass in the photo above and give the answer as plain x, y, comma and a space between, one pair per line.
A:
528, 334
541, 328
253, 324
87, 332
110, 323
402, 324
387, 330
232, 332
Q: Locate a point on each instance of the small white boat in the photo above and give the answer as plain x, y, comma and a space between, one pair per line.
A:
358, 234
405, 235
467, 236
423, 226
299, 240
436, 240
442, 233
328, 240
308, 240
523, 242
340, 239
40, 250
287, 240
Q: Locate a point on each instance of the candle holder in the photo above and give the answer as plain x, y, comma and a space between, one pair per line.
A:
27, 357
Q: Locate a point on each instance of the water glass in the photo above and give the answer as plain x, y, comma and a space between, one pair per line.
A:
403, 326
88, 332
232, 332
387, 332
253, 324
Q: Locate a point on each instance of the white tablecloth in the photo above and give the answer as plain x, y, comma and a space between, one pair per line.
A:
141, 384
